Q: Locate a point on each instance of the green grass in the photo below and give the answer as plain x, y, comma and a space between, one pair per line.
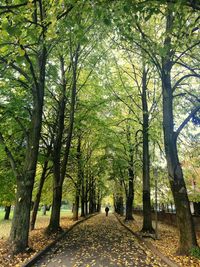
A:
6, 224
2, 214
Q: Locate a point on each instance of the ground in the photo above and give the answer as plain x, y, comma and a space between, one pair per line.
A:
100, 241
37, 240
106, 228
168, 242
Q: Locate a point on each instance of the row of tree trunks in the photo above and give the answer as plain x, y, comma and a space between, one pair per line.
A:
91, 202
60, 165
92, 195
54, 224
119, 204
39, 191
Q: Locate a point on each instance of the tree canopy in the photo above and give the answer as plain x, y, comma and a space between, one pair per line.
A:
95, 97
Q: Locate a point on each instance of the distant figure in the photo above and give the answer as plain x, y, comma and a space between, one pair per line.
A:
106, 210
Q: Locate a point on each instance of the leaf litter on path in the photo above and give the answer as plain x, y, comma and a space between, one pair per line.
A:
100, 241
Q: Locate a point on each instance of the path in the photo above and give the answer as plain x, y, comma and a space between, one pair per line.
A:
99, 241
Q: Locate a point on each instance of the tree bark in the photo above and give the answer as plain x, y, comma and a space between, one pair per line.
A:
99, 198
7, 212
86, 195
54, 224
92, 196
119, 205
130, 193
130, 197
38, 196
76, 206
79, 179
196, 208
82, 195
147, 219
44, 210
82, 199
80, 182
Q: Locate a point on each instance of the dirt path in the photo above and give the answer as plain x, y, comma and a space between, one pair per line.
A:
99, 241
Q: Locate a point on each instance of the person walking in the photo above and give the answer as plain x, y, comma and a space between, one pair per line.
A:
106, 210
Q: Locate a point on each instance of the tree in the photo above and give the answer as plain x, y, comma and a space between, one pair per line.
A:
178, 187
27, 56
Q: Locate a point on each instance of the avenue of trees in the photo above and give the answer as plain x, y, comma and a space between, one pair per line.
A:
99, 98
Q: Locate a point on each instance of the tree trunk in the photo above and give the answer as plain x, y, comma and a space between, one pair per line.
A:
130, 193
76, 207
20, 223
80, 180
91, 196
147, 220
119, 206
196, 208
38, 195
183, 214
129, 201
86, 208
60, 168
25, 178
82, 202
44, 210
82, 196
94, 209
98, 206
98, 201
7, 212
54, 224
86, 196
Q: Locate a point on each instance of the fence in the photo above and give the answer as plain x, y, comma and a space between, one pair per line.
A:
170, 218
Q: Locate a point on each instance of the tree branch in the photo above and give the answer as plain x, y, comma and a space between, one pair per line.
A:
31, 66
188, 49
184, 123
183, 78
15, 67
9, 155
14, 6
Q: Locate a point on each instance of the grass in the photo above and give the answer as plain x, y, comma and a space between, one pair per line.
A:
42, 221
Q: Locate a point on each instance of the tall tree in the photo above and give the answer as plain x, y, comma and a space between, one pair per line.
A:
36, 79
178, 187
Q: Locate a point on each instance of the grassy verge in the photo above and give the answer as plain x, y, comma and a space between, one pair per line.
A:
37, 239
42, 221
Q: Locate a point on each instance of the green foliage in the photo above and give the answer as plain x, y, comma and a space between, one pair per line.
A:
195, 252
7, 182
